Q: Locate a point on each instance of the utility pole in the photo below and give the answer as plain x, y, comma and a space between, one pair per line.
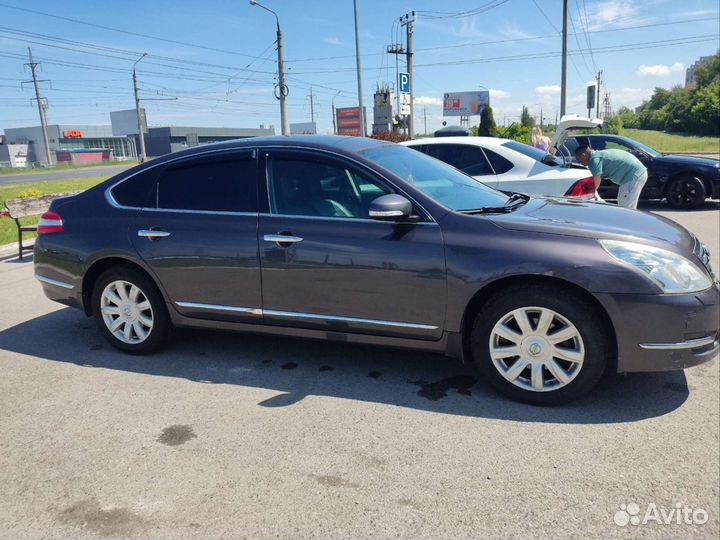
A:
281, 88
333, 113
138, 113
597, 107
407, 21
312, 106
425, 118
563, 83
396, 49
361, 110
41, 106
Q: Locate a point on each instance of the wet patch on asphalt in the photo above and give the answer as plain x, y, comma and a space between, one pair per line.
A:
176, 435
96, 347
439, 389
333, 481
678, 387
325, 368
89, 515
374, 374
289, 365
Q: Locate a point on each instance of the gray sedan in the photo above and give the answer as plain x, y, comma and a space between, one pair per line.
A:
361, 241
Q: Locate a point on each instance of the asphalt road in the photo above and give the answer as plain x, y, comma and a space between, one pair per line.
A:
85, 172
230, 435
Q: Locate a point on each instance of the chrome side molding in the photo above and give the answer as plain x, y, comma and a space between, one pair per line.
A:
295, 315
690, 344
54, 282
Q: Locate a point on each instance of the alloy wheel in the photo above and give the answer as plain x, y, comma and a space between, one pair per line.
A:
536, 349
126, 311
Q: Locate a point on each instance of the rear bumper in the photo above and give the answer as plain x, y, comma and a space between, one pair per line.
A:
664, 332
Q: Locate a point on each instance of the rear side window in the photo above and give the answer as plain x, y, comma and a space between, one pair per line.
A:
211, 184
499, 163
136, 191
469, 159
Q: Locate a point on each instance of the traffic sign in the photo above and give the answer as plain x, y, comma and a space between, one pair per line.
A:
404, 83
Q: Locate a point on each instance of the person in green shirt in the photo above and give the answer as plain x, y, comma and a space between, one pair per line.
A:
619, 166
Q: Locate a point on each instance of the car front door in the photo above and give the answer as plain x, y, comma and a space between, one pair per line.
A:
327, 265
198, 236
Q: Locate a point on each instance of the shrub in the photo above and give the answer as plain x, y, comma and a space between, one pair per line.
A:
34, 192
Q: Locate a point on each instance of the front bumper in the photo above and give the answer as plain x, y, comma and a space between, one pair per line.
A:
665, 331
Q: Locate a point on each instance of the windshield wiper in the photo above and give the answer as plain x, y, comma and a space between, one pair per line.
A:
514, 201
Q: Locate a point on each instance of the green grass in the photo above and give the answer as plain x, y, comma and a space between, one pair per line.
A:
8, 230
12, 170
672, 142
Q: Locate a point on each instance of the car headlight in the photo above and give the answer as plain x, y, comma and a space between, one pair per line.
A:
673, 273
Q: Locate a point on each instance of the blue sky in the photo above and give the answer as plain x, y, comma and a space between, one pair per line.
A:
218, 57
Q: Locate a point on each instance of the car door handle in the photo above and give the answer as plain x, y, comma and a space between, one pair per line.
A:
152, 233
282, 238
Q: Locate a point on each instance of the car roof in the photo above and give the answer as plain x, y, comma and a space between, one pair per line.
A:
337, 143
488, 141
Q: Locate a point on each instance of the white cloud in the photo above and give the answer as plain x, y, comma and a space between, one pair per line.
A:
427, 100
615, 13
511, 31
332, 41
548, 90
468, 29
660, 70
498, 95
629, 97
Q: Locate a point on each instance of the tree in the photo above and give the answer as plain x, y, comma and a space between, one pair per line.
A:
487, 127
525, 119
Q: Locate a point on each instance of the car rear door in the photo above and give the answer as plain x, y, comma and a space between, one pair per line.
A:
327, 265
467, 158
198, 235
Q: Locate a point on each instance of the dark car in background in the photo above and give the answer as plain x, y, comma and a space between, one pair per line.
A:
355, 240
684, 181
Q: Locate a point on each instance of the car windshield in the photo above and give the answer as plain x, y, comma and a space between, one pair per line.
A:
437, 180
646, 149
534, 153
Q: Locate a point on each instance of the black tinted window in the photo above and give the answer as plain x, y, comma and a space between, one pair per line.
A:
469, 159
219, 184
499, 163
136, 191
300, 187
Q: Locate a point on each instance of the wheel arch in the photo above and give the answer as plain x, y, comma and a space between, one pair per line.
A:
486, 292
101, 265
707, 184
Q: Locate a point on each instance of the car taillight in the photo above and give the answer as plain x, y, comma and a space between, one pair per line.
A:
50, 222
582, 188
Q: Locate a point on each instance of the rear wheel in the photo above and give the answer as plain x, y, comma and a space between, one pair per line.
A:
130, 311
540, 346
686, 192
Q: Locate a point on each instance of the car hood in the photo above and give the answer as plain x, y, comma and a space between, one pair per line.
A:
574, 217
673, 159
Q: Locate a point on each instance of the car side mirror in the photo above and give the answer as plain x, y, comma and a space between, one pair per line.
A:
391, 207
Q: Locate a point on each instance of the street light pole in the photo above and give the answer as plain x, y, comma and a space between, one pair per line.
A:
141, 135
282, 88
359, 73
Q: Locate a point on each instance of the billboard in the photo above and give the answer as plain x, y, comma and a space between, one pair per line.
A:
303, 128
125, 122
348, 121
465, 103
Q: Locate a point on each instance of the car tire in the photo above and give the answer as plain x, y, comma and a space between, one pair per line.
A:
685, 192
130, 311
544, 371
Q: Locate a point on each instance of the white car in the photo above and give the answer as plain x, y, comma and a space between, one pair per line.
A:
513, 166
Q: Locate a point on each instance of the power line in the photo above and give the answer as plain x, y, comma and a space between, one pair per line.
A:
128, 32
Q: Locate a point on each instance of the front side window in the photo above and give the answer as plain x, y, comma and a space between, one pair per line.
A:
210, 184
312, 187
446, 185
469, 159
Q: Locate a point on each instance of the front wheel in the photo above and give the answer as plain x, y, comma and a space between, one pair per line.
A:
130, 311
540, 346
686, 192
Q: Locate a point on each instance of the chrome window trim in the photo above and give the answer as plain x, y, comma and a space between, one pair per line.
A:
296, 315
217, 307
54, 282
690, 344
208, 212
354, 220
341, 157
111, 200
